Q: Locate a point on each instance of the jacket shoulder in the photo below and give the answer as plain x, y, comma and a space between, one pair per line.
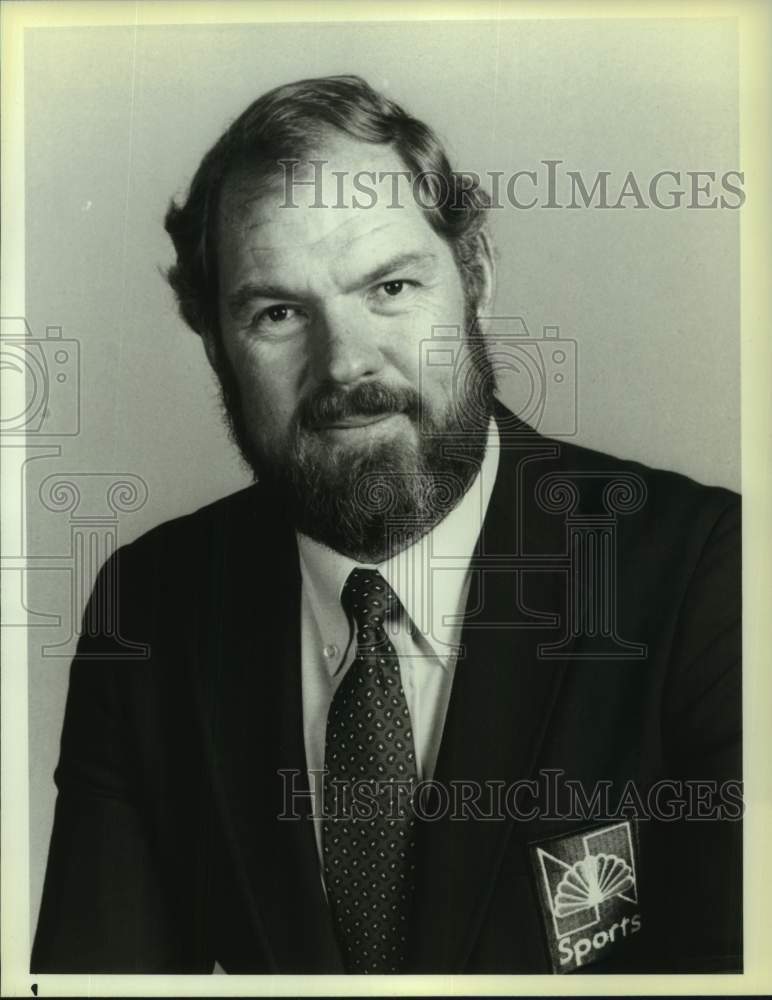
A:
186, 540
660, 502
594, 469
610, 484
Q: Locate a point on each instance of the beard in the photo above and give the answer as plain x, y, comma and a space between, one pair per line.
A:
369, 501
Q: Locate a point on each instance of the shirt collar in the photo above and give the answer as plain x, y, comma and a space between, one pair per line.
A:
430, 577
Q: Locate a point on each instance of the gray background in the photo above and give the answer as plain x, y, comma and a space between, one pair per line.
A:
118, 118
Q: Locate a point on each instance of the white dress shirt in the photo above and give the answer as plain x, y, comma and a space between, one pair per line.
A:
431, 579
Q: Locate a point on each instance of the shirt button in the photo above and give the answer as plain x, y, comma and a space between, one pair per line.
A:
330, 651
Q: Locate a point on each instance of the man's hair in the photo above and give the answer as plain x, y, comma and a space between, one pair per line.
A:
288, 123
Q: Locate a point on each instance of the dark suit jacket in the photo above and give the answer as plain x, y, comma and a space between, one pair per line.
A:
167, 854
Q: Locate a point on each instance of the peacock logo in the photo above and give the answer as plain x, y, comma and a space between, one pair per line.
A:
590, 882
588, 891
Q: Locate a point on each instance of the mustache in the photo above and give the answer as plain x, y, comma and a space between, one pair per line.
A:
329, 404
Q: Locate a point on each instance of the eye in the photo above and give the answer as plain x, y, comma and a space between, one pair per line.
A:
393, 288
277, 314
275, 320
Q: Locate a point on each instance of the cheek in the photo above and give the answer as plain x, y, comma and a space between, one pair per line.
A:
267, 389
442, 385
440, 311
442, 333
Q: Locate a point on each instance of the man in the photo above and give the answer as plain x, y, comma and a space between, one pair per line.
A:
437, 693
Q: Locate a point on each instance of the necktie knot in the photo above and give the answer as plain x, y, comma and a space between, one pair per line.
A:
368, 598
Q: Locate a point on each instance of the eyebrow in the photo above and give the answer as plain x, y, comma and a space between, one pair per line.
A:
251, 290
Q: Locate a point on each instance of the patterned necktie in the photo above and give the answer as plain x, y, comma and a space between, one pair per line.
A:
368, 830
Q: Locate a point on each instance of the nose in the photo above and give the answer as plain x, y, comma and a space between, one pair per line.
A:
347, 349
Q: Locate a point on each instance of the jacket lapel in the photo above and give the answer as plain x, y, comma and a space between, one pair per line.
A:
254, 707
500, 705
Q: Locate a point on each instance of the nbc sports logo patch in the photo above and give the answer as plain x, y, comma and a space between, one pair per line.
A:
588, 891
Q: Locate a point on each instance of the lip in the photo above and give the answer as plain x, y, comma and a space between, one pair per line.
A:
354, 423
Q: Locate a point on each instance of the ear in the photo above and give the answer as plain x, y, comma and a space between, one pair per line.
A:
487, 261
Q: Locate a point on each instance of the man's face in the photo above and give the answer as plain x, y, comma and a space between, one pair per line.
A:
323, 311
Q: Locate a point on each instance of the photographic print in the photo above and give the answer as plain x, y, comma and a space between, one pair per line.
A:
375, 542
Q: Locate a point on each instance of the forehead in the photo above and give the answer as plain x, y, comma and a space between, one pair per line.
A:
269, 223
